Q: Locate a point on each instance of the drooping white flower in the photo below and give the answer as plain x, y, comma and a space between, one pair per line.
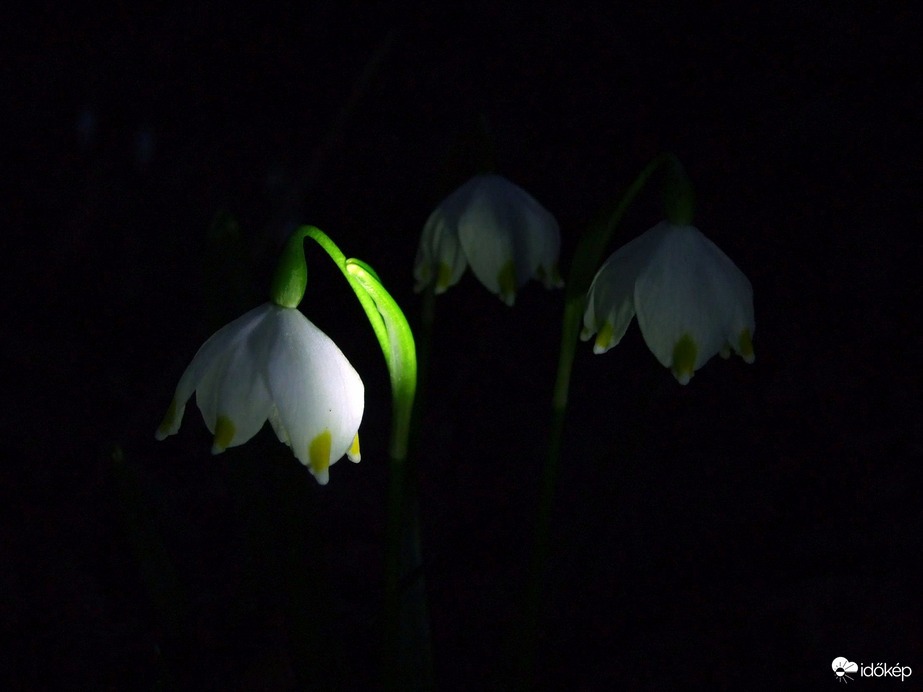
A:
274, 364
691, 300
499, 229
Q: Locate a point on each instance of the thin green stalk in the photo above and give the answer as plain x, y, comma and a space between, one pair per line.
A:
407, 649
407, 642
587, 258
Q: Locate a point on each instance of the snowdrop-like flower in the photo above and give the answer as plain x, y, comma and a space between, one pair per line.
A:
691, 300
273, 363
496, 227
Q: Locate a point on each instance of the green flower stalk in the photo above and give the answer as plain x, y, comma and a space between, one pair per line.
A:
397, 345
587, 258
407, 650
407, 645
385, 316
273, 364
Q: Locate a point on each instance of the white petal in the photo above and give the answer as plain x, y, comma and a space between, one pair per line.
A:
686, 288
209, 387
541, 244
499, 229
486, 220
439, 247
207, 359
243, 395
611, 299
733, 293
312, 384
278, 426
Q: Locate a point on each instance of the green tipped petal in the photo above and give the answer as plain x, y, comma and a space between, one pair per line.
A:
684, 359
691, 300
443, 277
224, 433
353, 453
506, 280
745, 346
605, 338
273, 364
171, 421
495, 227
319, 457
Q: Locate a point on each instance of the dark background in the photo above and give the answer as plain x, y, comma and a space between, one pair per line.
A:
739, 532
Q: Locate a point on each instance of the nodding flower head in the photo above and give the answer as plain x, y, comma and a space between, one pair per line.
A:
274, 364
691, 300
496, 227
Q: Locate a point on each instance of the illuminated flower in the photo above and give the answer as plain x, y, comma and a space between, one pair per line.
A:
274, 364
496, 227
691, 300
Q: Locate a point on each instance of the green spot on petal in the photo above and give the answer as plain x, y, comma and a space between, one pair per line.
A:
443, 277
353, 451
745, 346
506, 278
224, 433
604, 338
319, 453
684, 355
168, 424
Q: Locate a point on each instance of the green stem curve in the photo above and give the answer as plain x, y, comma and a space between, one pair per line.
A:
407, 648
587, 258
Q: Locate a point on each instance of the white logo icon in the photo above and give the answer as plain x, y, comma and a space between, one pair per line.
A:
841, 666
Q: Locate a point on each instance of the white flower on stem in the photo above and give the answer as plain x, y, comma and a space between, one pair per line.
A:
496, 227
274, 364
691, 300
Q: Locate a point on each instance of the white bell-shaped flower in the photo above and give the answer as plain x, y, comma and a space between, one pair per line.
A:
691, 300
274, 364
496, 227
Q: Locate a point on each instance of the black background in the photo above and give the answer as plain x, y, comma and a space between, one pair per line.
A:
738, 532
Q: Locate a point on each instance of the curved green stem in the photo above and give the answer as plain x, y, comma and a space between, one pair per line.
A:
291, 277
397, 344
384, 314
587, 258
407, 652
407, 647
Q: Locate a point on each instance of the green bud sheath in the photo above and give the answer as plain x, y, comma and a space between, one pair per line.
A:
291, 277
678, 196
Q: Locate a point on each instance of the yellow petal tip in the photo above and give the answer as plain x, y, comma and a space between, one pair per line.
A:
170, 422
443, 277
224, 434
684, 356
319, 457
604, 338
353, 453
745, 346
